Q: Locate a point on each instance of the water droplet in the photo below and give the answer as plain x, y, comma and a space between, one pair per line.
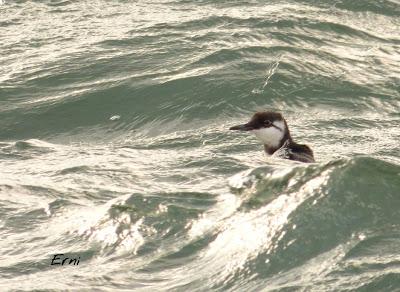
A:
114, 118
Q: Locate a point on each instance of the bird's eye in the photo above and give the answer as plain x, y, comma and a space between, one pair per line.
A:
267, 123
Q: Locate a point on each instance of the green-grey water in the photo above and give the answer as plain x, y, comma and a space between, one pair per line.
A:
115, 148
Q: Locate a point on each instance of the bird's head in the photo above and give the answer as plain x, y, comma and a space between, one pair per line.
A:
269, 127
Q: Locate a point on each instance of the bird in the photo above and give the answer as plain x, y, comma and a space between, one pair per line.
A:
272, 130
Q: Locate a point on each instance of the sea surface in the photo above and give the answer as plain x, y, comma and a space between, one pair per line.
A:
115, 148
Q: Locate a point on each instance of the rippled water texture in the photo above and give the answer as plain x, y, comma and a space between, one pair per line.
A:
115, 148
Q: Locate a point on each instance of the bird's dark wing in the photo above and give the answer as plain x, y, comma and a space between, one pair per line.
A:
301, 153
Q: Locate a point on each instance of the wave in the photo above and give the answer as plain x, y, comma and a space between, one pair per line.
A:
284, 225
175, 72
344, 204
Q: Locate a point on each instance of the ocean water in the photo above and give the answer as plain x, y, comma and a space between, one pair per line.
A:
115, 148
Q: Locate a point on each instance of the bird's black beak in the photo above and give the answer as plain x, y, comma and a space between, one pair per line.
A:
244, 127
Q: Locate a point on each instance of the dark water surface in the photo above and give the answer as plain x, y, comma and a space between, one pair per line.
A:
114, 145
